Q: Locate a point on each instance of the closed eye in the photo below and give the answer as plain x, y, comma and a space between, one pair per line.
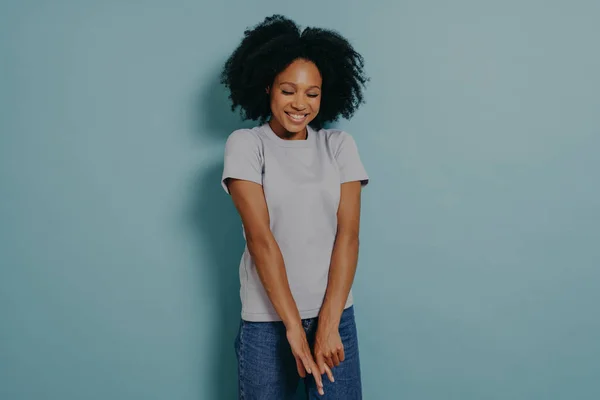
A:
311, 95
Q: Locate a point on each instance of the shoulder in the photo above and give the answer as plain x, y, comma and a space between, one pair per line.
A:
337, 139
245, 140
245, 136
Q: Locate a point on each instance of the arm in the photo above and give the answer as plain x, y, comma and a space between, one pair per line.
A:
328, 347
249, 199
345, 254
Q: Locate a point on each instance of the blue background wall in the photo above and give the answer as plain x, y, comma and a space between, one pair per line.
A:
479, 270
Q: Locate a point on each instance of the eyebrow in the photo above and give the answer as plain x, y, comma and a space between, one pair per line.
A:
293, 84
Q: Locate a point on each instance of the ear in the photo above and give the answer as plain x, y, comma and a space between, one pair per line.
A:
268, 89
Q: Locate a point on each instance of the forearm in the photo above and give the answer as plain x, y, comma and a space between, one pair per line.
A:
342, 269
270, 266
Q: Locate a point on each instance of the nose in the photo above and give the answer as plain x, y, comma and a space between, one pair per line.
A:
298, 103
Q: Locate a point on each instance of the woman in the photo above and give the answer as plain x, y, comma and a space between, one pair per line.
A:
297, 189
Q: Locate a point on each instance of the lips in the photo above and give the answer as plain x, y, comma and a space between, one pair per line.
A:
297, 118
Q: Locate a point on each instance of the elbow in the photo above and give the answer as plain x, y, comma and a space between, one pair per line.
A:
348, 238
260, 242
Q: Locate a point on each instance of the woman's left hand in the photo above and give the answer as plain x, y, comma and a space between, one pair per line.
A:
328, 349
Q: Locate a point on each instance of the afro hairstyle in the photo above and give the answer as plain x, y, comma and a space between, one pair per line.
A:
272, 45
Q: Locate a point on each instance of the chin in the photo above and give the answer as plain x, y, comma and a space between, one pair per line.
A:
295, 128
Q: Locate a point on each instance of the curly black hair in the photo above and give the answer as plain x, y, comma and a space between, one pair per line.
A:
272, 45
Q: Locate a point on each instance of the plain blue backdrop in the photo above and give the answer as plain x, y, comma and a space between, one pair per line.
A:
479, 272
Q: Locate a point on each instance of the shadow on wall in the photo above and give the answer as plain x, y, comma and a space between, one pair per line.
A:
219, 233
219, 230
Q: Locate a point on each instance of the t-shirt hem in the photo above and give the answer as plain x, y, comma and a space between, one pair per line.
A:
269, 317
364, 180
239, 177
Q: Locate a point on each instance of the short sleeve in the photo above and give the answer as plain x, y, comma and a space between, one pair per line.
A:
349, 162
243, 159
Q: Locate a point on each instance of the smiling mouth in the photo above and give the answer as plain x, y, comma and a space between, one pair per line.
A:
296, 117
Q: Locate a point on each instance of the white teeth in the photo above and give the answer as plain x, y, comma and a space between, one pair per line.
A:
298, 117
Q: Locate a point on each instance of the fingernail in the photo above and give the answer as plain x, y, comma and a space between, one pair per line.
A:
321, 391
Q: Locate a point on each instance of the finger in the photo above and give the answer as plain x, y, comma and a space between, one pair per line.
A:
306, 361
329, 373
318, 379
320, 360
329, 361
335, 358
342, 354
300, 368
323, 366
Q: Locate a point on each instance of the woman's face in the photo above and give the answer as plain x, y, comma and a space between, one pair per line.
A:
295, 97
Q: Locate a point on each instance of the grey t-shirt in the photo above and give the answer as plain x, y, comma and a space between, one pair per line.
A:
301, 181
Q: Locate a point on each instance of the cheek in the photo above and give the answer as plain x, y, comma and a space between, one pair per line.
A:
277, 103
316, 104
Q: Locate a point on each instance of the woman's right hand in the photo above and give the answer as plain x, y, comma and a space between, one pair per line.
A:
304, 359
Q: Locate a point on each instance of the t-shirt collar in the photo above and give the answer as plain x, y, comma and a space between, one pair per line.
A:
287, 142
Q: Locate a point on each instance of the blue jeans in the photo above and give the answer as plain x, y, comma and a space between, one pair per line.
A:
267, 368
